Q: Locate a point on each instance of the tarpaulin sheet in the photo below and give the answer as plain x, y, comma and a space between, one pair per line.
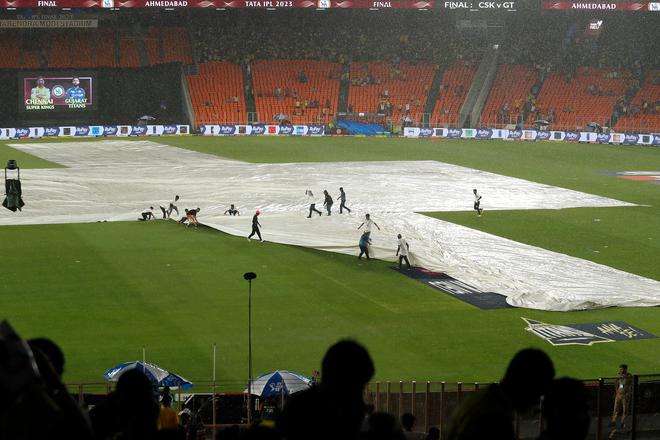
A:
116, 180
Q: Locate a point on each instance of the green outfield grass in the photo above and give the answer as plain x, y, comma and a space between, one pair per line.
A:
105, 290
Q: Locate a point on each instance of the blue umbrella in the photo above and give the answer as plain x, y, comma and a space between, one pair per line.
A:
277, 382
156, 375
280, 117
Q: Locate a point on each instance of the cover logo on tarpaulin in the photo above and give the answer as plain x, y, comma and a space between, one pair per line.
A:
51, 131
585, 334
542, 135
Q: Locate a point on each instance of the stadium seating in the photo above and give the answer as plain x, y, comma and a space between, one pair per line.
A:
213, 91
510, 88
322, 85
450, 97
640, 120
12, 54
406, 85
175, 45
573, 103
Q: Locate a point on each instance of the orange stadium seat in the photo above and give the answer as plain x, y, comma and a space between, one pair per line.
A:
450, 98
175, 42
512, 85
645, 121
572, 102
213, 90
269, 75
410, 86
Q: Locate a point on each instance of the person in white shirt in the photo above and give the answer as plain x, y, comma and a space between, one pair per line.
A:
477, 202
312, 203
368, 223
402, 251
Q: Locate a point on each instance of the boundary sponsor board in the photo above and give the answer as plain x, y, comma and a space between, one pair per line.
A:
457, 289
93, 131
533, 135
585, 334
261, 129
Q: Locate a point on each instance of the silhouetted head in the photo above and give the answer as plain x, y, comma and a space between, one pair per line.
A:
398, 236
566, 411
383, 426
474, 191
366, 216
528, 377
407, 421
434, 434
347, 366
51, 351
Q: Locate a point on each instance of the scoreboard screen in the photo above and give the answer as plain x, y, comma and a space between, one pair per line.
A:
57, 92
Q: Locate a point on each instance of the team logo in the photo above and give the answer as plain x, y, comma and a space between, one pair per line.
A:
315, 130
454, 132
286, 129
484, 133
109, 130
51, 131
169, 129
515, 134
58, 91
654, 6
82, 131
542, 135
585, 334
22, 132
258, 129
572, 136
603, 137
323, 4
631, 138
425, 132
138, 130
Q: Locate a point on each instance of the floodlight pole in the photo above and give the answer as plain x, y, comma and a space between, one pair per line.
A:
249, 276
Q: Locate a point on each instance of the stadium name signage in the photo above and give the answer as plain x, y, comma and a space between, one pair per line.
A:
224, 4
598, 6
47, 23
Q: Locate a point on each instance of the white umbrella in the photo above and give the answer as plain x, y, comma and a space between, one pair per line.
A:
274, 383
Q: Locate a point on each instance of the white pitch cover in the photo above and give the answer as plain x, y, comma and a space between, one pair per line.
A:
115, 180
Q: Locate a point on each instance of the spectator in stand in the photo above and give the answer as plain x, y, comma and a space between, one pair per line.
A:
408, 423
565, 411
168, 420
490, 412
334, 409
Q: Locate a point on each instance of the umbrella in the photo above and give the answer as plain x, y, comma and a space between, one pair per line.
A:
274, 383
593, 124
156, 374
407, 119
280, 117
147, 118
541, 122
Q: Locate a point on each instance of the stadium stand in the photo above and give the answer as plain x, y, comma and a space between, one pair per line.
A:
399, 90
456, 82
168, 45
217, 93
570, 101
643, 113
510, 91
305, 91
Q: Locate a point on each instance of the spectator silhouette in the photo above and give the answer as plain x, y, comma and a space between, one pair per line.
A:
434, 434
566, 411
489, 413
383, 426
335, 408
408, 421
130, 412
